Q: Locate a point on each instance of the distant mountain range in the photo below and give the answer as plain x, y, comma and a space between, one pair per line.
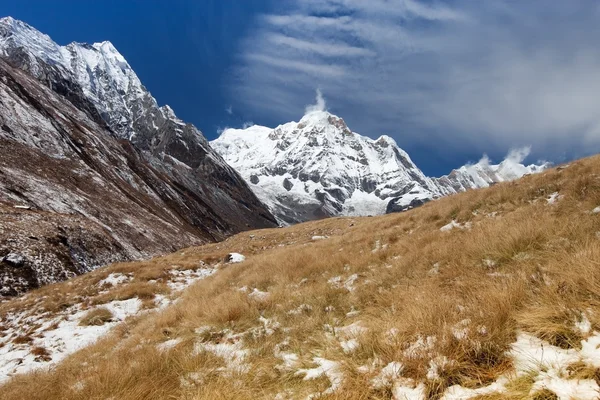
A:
319, 168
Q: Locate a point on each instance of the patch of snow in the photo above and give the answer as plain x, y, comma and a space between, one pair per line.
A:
583, 325
290, 360
349, 346
455, 225
421, 347
567, 389
235, 258
406, 389
330, 369
553, 198
596, 210
231, 350
168, 345
181, 279
461, 330
301, 309
315, 238
60, 337
388, 375
458, 392
352, 313
259, 295
114, 280
436, 365
348, 284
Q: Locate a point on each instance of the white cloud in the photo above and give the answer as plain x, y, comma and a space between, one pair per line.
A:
308, 68
229, 110
468, 76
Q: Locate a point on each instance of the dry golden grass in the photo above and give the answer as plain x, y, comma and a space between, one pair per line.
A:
524, 265
97, 317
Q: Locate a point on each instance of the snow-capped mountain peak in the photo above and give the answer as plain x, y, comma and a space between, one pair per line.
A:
484, 173
318, 167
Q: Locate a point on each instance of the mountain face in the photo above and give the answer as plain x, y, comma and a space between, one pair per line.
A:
318, 168
106, 173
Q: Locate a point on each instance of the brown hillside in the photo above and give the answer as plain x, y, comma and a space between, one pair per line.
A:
398, 306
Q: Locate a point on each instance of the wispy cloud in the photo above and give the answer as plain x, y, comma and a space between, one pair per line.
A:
457, 75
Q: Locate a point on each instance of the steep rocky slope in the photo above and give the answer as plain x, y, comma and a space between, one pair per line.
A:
318, 167
81, 137
489, 294
99, 199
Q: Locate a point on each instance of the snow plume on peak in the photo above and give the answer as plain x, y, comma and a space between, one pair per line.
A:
319, 106
519, 155
484, 173
484, 161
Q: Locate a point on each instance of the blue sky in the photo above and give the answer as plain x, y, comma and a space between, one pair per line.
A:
449, 80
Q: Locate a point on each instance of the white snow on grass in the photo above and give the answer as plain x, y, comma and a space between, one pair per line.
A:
580, 389
388, 375
330, 369
421, 347
61, 336
338, 282
180, 280
315, 238
235, 258
301, 309
349, 335
548, 365
259, 295
231, 350
583, 325
461, 330
458, 392
168, 345
406, 389
290, 360
114, 280
455, 225
553, 198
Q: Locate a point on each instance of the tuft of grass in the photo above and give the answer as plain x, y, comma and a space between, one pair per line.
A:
544, 394
41, 353
97, 317
22, 339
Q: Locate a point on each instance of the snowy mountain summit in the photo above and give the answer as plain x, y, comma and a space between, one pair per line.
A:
97, 78
318, 167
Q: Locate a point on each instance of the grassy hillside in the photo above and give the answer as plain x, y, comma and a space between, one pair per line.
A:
490, 294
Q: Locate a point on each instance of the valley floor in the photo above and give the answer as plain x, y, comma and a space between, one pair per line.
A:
490, 294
